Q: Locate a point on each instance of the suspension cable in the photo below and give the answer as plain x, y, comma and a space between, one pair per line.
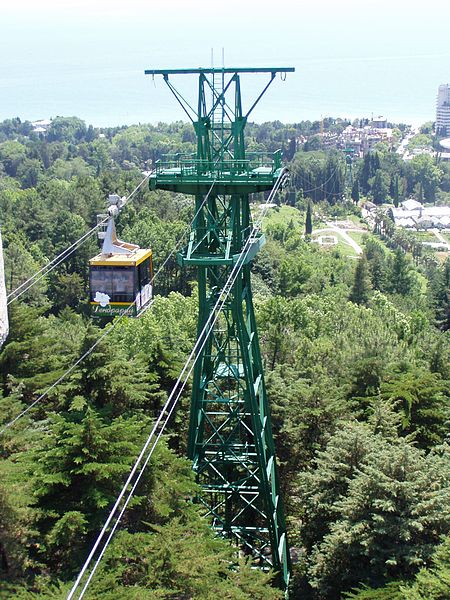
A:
31, 281
112, 326
171, 402
50, 266
65, 374
321, 186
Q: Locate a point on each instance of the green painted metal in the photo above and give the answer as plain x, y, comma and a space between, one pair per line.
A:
230, 435
219, 70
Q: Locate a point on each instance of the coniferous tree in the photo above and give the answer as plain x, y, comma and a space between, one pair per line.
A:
430, 583
380, 186
440, 290
389, 492
423, 399
308, 221
355, 191
360, 292
366, 174
401, 276
376, 258
396, 195
76, 475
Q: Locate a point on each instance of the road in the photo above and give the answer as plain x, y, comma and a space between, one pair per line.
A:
441, 238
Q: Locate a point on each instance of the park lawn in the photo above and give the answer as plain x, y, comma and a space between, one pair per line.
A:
342, 246
284, 215
425, 236
358, 221
442, 257
358, 236
346, 249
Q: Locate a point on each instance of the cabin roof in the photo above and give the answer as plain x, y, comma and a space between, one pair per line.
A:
120, 260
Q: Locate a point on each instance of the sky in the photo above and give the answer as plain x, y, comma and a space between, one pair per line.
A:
352, 58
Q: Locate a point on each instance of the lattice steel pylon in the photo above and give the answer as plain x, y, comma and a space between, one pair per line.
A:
230, 434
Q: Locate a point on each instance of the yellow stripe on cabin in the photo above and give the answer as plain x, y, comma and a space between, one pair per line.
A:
112, 304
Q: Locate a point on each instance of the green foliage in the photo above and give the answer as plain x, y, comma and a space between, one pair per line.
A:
68, 129
391, 591
355, 192
401, 274
111, 379
376, 258
424, 401
319, 176
78, 466
12, 154
164, 563
305, 411
371, 165
25, 358
308, 221
367, 494
423, 172
358, 390
361, 285
431, 583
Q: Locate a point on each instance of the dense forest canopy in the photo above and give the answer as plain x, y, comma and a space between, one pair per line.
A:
357, 365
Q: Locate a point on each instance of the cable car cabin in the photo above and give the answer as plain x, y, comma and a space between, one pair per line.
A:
118, 281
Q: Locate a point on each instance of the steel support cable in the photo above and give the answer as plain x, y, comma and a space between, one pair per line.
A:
181, 240
63, 376
15, 294
322, 184
108, 330
43, 273
169, 405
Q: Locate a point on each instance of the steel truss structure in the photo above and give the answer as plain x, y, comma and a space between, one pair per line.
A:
230, 434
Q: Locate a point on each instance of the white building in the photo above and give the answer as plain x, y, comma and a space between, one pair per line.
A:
443, 110
411, 204
41, 126
412, 214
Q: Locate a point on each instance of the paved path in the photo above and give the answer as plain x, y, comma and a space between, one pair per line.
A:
441, 238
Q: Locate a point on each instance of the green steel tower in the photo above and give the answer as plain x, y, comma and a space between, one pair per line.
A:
349, 153
230, 435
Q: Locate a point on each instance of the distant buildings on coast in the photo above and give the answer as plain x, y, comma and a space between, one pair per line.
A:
41, 126
359, 138
362, 139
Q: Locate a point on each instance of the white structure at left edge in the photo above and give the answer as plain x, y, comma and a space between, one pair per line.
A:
4, 326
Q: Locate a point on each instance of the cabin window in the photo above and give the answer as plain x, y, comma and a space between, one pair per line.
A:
144, 273
123, 285
117, 282
101, 281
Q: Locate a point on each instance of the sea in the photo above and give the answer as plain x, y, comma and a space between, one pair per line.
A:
92, 66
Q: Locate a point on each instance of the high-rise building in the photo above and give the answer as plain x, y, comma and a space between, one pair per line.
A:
443, 110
